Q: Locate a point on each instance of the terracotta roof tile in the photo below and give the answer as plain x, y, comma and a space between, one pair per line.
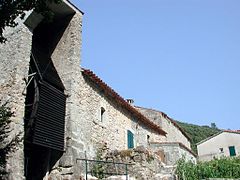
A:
232, 131
109, 92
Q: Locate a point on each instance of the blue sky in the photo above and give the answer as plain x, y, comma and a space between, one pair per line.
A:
179, 57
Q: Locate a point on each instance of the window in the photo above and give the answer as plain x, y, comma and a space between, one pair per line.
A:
232, 150
148, 139
130, 139
102, 114
221, 150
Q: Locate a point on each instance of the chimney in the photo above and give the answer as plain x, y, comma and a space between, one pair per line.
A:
130, 101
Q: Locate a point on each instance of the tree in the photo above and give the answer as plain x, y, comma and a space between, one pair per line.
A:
5, 129
213, 125
11, 9
5, 114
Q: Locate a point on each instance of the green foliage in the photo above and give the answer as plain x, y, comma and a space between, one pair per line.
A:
6, 148
197, 133
150, 158
98, 169
217, 168
5, 115
213, 125
10, 10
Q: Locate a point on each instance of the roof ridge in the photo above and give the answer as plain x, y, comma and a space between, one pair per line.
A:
216, 134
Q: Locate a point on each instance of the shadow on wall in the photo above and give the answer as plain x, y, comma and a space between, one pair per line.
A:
45, 103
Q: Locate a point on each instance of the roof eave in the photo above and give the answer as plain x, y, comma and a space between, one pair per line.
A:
111, 93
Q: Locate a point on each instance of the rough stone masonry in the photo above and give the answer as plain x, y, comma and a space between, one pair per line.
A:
14, 66
84, 129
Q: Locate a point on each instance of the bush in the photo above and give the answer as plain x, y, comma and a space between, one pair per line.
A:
5, 114
6, 148
217, 168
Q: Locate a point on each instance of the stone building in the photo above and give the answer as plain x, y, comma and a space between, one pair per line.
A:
108, 118
47, 56
223, 144
176, 143
62, 111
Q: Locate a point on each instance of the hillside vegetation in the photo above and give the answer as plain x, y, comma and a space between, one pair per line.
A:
197, 133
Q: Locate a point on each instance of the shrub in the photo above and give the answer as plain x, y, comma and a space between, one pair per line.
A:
5, 115
217, 168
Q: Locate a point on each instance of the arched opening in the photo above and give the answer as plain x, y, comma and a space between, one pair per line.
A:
102, 118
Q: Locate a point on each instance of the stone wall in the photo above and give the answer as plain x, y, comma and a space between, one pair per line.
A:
142, 164
173, 152
89, 128
14, 66
86, 131
174, 134
66, 59
15, 56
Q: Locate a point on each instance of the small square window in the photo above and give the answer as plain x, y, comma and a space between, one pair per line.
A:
221, 150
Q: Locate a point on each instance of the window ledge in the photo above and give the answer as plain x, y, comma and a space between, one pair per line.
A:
101, 124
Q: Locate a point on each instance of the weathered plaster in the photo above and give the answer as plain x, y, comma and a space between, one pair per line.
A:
210, 148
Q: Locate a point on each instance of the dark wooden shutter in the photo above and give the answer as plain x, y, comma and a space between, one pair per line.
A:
50, 117
232, 151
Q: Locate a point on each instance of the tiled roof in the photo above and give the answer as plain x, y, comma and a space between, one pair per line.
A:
232, 131
178, 143
170, 119
109, 92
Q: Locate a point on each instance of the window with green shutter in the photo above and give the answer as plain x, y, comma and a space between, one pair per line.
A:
130, 139
232, 150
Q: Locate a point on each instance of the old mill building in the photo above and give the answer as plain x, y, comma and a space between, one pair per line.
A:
64, 112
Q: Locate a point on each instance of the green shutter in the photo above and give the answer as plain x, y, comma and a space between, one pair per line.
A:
232, 151
130, 139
